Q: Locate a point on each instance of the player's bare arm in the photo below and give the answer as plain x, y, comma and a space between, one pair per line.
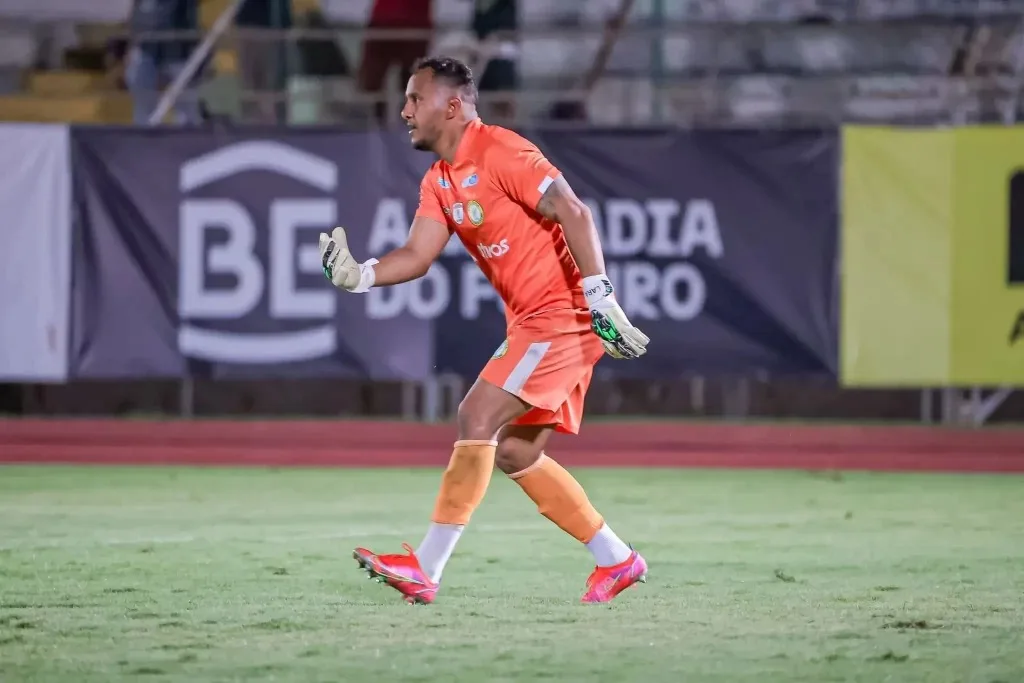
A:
427, 239
620, 338
560, 204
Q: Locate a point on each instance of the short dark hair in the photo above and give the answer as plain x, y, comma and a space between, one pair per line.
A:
450, 70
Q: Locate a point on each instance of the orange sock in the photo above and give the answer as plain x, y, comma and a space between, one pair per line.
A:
560, 498
464, 482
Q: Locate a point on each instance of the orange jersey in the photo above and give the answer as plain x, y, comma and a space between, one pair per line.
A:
488, 197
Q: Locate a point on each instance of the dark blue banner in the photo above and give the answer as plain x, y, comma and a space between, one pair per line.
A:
195, 253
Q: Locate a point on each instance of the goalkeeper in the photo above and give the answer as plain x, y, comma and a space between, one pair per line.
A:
537, 244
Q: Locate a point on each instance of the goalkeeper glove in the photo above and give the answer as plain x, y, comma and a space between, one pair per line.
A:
609, 322
340, 267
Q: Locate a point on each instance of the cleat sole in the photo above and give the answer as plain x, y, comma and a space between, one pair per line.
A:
368, 568
373, 574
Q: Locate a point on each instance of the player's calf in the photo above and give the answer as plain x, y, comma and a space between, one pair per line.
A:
519, 448
561, 499
464, 483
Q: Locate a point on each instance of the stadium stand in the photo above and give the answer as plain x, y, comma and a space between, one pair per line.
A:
735, 62
721, 62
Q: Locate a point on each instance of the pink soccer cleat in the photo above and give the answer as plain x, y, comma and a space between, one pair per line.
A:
607, 582
401, 572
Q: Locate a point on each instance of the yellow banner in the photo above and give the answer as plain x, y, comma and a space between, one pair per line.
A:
933, 257
988, 285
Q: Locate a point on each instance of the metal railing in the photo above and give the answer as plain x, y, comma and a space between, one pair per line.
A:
726, 80
194, 62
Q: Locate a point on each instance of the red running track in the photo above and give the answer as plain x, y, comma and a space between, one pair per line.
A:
346, 443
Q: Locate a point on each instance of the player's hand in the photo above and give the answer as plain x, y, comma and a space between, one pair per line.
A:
340, 266
609, 322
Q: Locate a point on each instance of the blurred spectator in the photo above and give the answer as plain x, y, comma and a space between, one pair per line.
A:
263, 59
612, 15
495, 23
321, 88
114, 59
321, 56
151, 65
380, 54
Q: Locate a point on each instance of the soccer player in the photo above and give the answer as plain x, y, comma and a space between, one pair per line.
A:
537, 244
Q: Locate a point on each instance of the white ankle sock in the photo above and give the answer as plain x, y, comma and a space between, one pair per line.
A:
607, 548
437, 547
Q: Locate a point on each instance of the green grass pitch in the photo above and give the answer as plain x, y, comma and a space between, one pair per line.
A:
164, 574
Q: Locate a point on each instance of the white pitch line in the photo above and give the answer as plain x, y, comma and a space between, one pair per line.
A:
189, 538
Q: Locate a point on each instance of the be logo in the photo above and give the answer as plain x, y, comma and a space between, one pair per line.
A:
240, 269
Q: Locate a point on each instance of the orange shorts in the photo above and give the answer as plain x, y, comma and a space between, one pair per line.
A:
547, 361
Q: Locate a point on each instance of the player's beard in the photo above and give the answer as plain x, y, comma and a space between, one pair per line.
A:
422, 140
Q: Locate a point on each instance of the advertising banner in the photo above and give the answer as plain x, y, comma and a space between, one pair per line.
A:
988, 257
897, 221
933, 257
196, 253
35, 261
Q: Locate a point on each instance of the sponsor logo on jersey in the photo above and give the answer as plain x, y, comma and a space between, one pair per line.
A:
489, 251
470, 181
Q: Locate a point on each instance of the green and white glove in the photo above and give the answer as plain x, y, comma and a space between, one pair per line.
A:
340, 266
609, 322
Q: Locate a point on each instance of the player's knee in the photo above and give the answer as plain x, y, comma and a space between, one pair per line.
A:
514, 456
475, 422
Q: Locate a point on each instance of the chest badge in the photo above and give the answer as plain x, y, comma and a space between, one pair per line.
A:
458, 214
475, 211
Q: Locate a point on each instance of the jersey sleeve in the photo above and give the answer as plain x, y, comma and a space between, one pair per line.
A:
430, 204
523, 173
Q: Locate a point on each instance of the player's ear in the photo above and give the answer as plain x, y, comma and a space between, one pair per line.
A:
454, 105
